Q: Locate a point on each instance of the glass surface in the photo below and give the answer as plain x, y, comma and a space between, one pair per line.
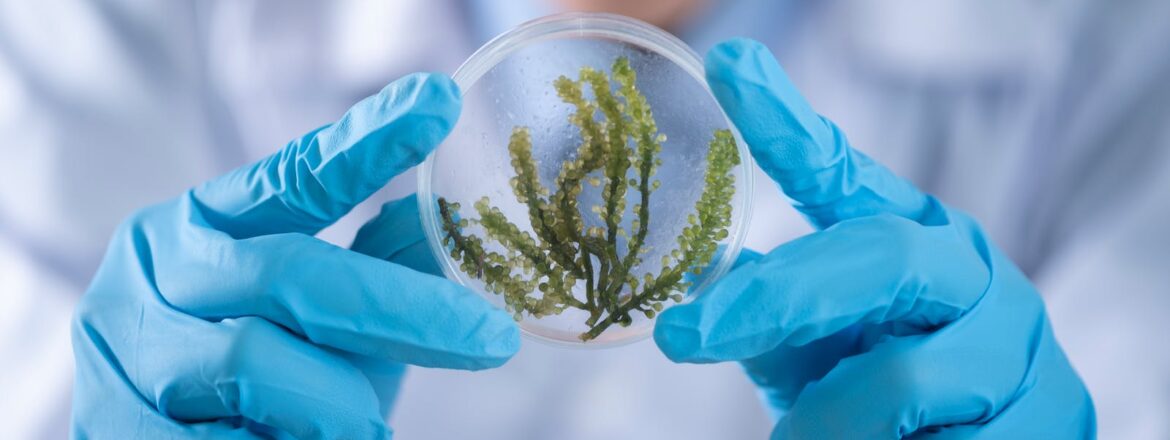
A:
509, 83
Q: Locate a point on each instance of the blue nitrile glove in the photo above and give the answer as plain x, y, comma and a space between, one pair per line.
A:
898, 318
219, 315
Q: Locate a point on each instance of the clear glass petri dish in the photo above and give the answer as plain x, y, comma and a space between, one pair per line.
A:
509, 86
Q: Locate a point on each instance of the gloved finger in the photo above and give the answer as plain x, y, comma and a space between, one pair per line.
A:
895, 390
996, 373
385, 377
321, 176
966, 373
881, 269
805, 153
103, 414
336, 297
783, 372
193, 372
396, 235
1052, 404
903, 385
251, 368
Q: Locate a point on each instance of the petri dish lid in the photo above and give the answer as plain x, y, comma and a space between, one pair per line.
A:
509, 85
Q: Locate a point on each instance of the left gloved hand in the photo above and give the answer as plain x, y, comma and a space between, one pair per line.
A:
898, 318
217, 314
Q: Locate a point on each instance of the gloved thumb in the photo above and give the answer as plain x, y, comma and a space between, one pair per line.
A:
803, 152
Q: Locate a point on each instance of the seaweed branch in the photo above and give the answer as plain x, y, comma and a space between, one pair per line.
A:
618, 152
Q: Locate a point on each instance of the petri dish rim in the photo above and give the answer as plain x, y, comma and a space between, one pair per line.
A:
587, 25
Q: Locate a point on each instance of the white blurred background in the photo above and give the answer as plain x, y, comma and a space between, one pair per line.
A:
1048, 121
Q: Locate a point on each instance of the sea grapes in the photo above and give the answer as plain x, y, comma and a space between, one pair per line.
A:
537, 272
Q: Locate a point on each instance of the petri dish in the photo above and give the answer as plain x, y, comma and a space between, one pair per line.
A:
563, 102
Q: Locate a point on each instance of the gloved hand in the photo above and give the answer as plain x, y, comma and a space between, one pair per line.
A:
898, 318
218, 315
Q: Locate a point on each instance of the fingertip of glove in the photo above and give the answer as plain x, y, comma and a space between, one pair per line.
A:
676, 335
450, 326
735, 48
738, 58
698, 332
428, 85
500, 340
491, 338
419, 110
384, 134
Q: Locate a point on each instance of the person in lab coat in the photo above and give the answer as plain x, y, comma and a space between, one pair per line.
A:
1047, 123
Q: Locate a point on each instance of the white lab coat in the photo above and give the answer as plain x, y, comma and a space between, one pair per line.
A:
1049, 121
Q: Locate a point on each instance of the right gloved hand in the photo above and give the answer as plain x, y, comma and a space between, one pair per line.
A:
899, 318
218, 314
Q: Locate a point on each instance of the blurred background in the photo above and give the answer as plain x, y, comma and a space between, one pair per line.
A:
1048, 121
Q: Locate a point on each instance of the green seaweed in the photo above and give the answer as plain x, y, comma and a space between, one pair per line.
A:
618, 152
